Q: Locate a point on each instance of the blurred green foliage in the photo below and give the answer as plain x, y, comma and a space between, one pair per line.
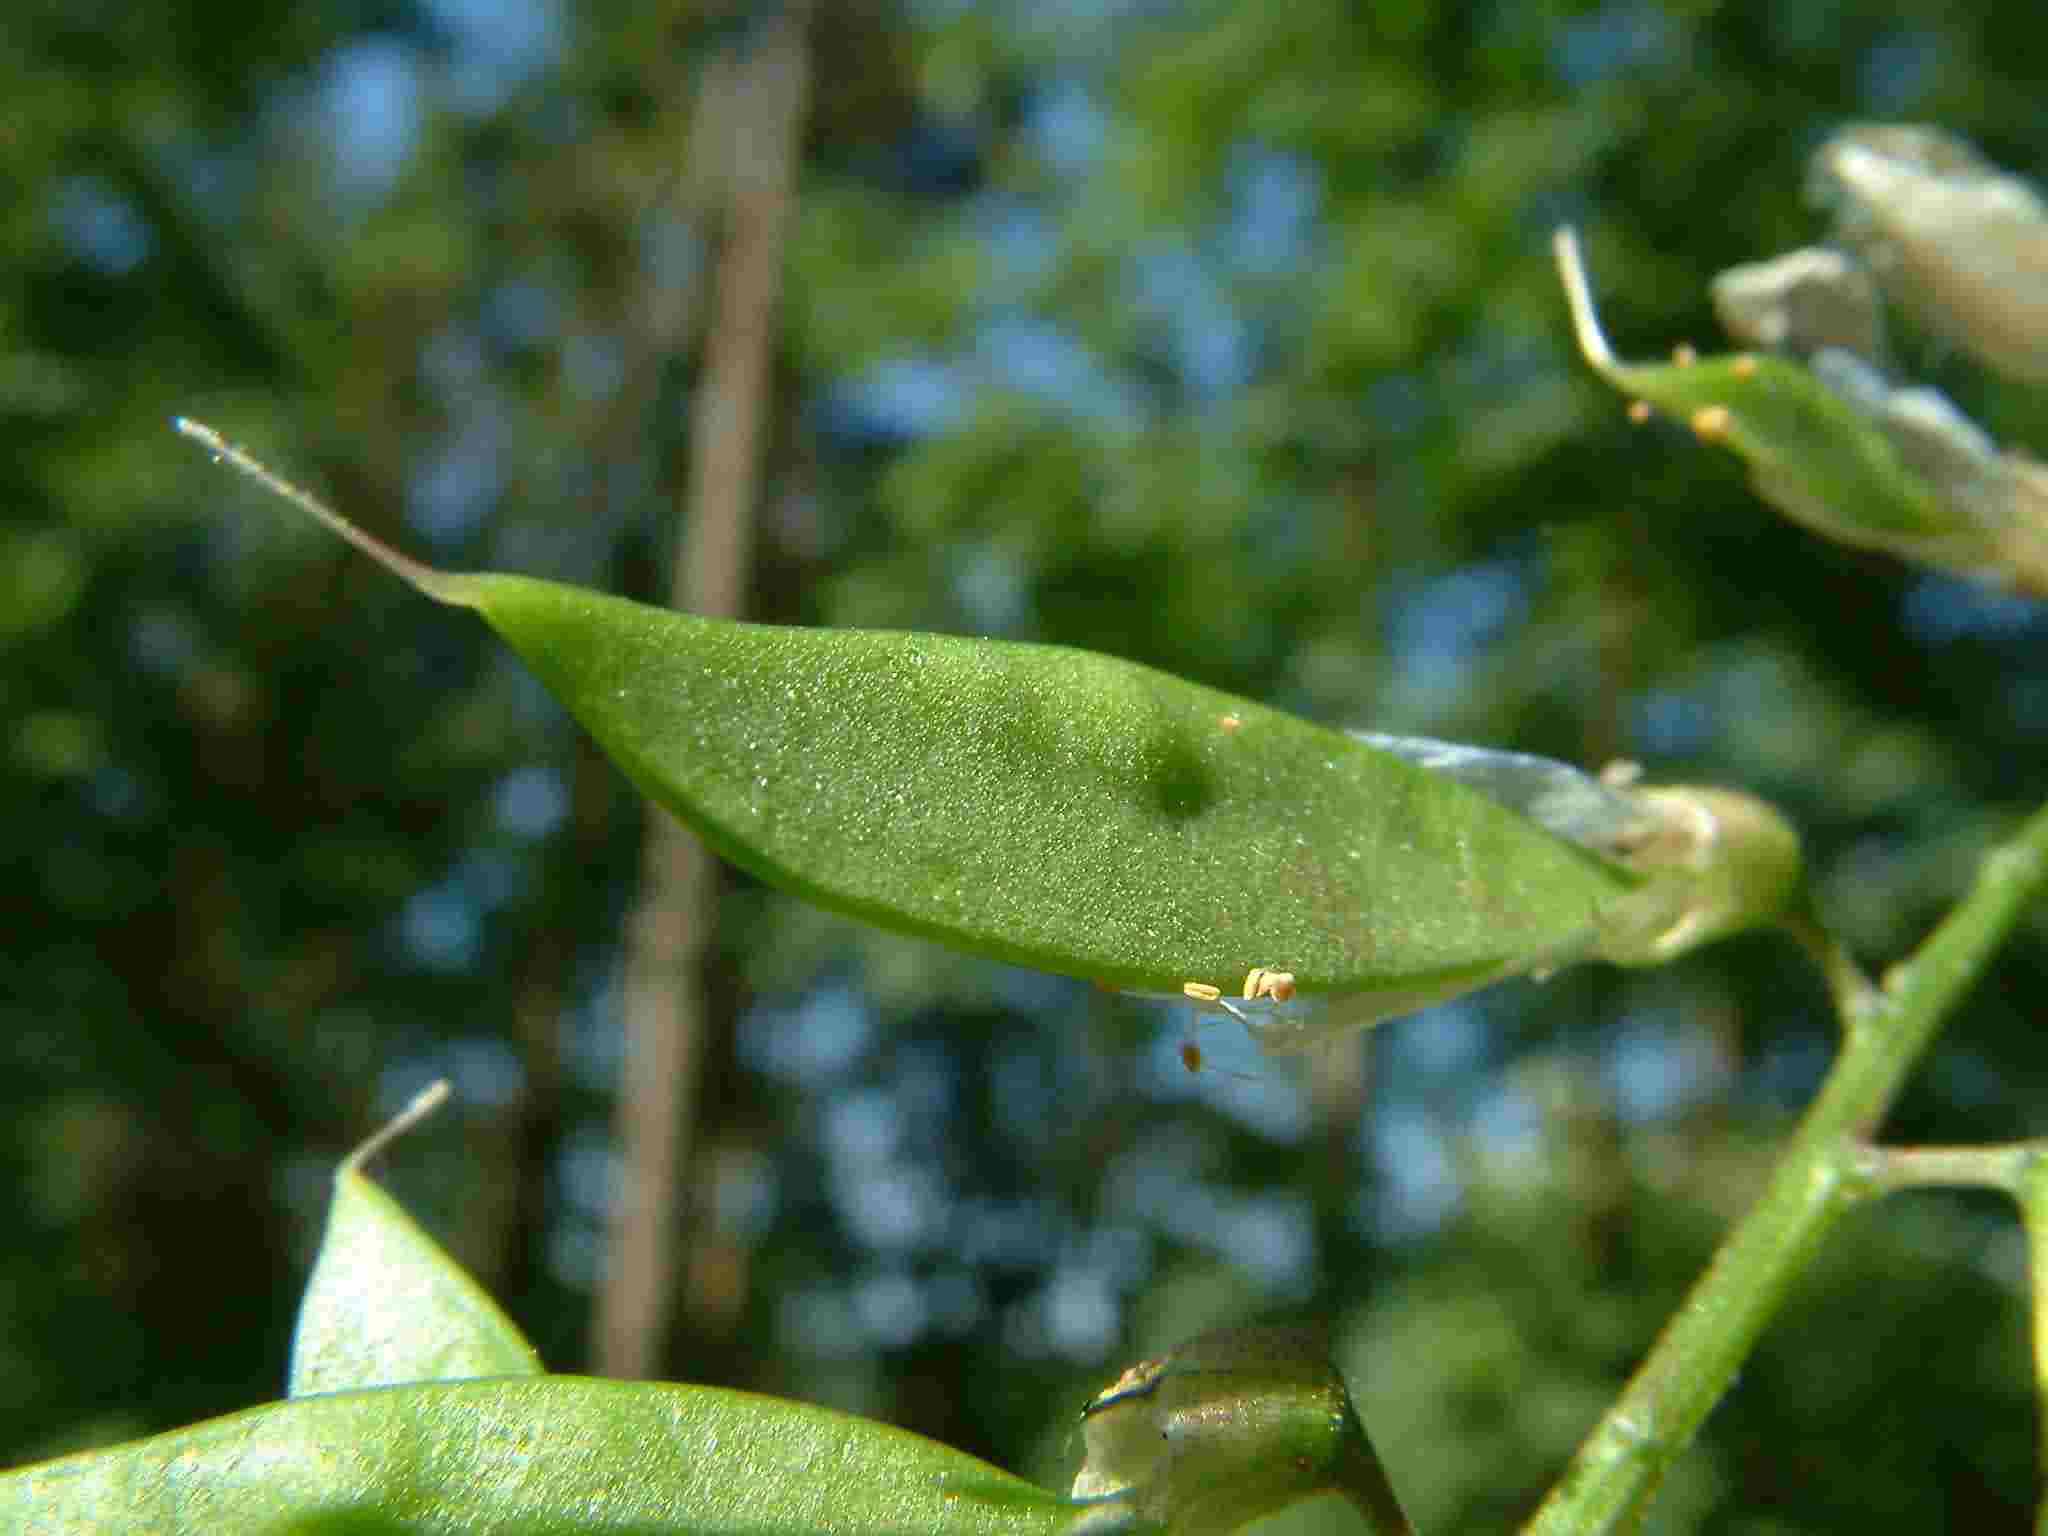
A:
1222, 337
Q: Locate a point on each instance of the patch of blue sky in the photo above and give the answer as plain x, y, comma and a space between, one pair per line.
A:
492, 879
456, 483
1669, 722
1065, 128
454, 364
895, 1208
900, 399
1262, 1093
1171, 291
593, 367
1441, 1046
1790, 1069
925, 1082
1276, 209
441, 928
368, 108
989, 587
1899, 71
1739, 708
1023, 1092
1630, 39
587, 1171
891, 1309
1657, 1067
827, 1033
861, 1130
1003, 1234
956, 1298
495, 47
672, 250
520, 314
484, 1071
1940, 610
1440, 628
1077, 1316
820, 1323
1079, 30
1418, 1189
99, 226
1021, 247
1038, 359
1270, 1236
1506, 1125
1123, 1251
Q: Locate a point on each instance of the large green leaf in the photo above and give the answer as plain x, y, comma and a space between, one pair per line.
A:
1046, 806
386, 1304
529, 1457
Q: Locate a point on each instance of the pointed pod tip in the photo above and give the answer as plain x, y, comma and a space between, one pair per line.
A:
1578, 292
439, 585
422, 1104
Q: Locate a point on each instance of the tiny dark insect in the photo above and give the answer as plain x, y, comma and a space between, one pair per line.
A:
1191, 1055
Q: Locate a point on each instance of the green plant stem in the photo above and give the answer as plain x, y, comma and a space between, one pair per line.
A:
1887, 1170
1854, 996
1611, 1480
2032, 1195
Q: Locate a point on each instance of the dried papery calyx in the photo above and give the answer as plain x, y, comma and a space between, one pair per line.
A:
1712, 861
1801, 302
1716, 862
1960, 243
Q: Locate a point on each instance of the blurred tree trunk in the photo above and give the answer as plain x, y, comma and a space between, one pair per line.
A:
746, 138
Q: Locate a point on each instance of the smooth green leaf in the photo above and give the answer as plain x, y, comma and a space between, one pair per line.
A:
1229, 1427
1045, 806
385, 1304
529, 1457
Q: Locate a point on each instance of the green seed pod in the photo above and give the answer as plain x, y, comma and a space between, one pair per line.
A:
1231, 1426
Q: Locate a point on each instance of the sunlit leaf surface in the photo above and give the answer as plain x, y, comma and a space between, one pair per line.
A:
555, 1454
1049, 807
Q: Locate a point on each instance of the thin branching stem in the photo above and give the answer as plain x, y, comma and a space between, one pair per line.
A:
1888, 1170
1855, 996
1617, 1470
